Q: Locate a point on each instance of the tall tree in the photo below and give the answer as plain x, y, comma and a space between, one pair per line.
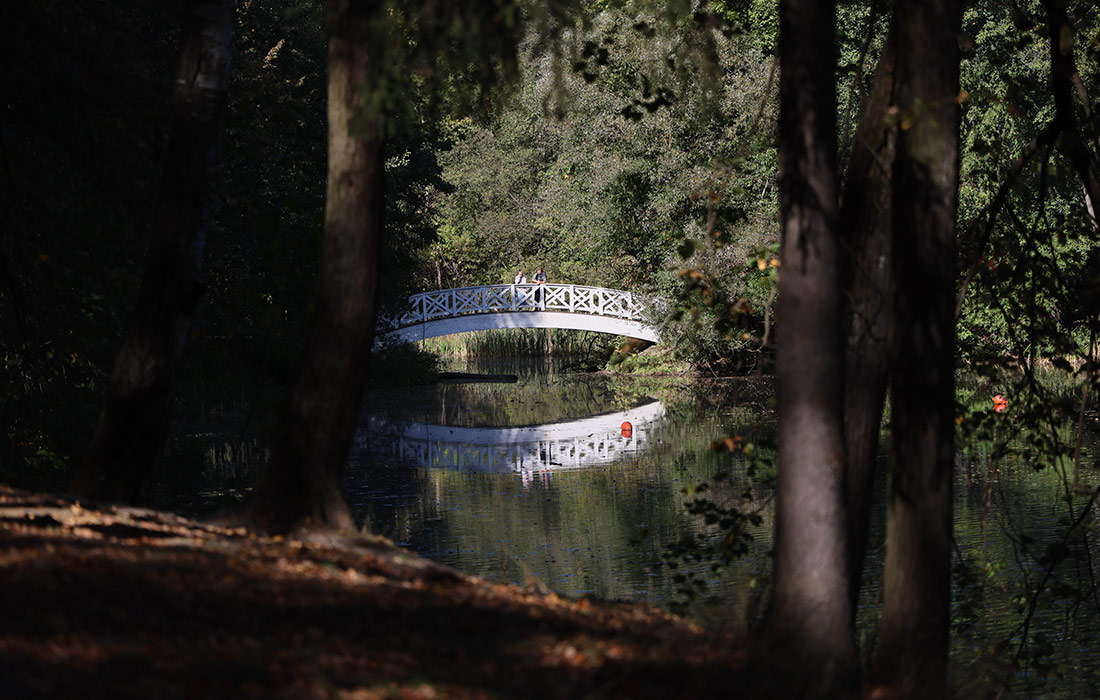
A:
810, 608
912, 656
134, 424
302, 484
458, 49
865, 224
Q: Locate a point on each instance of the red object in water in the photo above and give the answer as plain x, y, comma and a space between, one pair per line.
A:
628, 429
1000, 404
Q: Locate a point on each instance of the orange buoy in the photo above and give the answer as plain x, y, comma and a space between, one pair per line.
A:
1000, 404
628, 429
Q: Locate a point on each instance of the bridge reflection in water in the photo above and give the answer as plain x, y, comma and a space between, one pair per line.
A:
525, 450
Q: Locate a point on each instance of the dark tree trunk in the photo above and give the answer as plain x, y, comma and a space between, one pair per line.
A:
865, 225
912, 656
809, 620
134, 424
1063, 77
302, 485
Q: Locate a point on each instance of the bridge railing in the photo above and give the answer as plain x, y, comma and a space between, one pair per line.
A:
574, 298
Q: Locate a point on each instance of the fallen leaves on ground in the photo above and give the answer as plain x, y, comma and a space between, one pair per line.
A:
126, 603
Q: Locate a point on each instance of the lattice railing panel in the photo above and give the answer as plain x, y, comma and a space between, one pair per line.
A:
557, 297
466, 301
447, 303
498, 298
585, 300
439, 305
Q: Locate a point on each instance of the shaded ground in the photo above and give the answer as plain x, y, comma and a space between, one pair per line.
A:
124, 602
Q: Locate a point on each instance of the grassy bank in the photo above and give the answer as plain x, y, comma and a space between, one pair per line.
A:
519, 342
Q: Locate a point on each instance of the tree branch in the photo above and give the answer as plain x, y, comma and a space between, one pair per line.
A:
1063, 77
1045, 138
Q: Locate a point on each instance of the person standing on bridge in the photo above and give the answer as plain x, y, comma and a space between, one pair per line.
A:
540, 279
518, 299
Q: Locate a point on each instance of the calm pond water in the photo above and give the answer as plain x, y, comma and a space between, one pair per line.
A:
537, 483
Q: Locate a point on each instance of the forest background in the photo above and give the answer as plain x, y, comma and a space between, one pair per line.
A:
620, 157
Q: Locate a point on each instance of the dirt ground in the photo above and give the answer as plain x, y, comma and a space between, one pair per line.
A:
131, 603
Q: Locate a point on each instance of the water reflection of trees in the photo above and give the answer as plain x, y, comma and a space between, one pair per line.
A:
545, 400
599, 530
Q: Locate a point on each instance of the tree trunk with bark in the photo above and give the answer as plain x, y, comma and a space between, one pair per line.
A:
134, 424
809, 626
865, 225
1063, 79
301, 487
912, 656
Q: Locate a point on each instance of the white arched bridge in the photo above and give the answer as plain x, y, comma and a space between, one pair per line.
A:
572, 306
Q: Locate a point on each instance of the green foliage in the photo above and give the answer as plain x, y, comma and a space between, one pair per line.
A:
1029, 262
1029, 318
265, 241
658, 360
759, 19
653, 143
